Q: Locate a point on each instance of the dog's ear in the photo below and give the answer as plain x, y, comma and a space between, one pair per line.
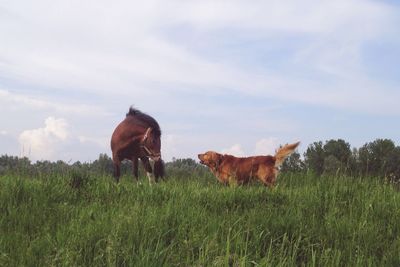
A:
218, 159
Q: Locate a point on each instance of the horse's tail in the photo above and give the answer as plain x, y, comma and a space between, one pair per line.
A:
159, 168
284, 152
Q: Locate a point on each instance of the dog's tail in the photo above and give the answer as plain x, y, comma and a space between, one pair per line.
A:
284, 152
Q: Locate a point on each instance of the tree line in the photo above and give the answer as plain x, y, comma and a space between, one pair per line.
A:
380, 158
180, 168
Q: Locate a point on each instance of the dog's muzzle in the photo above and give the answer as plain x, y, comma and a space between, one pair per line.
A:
199, 156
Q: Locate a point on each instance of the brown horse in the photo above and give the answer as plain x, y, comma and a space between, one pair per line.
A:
138, 136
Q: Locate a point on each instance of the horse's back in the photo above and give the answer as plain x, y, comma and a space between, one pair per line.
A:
125, 131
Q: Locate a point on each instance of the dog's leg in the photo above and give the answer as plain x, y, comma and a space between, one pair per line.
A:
267, 176
269, 180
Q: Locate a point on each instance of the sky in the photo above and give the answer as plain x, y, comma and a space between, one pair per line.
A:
238, 77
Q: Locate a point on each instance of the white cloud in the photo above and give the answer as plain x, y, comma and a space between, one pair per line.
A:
235, 150
42, 143
266, 146
123, 48
8, 98
3, 132
170, 146
175, 145
309, 16
102, 142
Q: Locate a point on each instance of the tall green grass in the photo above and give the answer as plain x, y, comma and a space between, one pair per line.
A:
305, 220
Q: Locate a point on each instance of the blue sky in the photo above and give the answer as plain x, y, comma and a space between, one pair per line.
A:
231, 76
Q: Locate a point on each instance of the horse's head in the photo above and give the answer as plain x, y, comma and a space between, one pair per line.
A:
151, 144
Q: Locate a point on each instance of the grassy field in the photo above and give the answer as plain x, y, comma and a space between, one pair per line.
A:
306, 220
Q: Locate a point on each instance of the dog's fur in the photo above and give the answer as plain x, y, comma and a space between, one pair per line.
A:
228, 168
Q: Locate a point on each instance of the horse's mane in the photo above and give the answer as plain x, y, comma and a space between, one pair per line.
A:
147, 119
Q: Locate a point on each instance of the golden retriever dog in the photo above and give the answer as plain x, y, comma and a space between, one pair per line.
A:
228, 168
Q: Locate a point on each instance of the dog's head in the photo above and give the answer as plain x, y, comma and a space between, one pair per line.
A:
211, 159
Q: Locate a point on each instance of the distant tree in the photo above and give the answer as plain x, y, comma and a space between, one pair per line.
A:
375, 156
185, 168
103, 164
337, 156
340, 149
332, 165
353, 169
379, 158
314, 157
188, 162
293, 163
14, 164
393, 166
61, 166
44, 167
77, 164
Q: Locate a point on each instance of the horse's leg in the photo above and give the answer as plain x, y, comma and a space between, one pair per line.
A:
135, 169
117, 168
147, 167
